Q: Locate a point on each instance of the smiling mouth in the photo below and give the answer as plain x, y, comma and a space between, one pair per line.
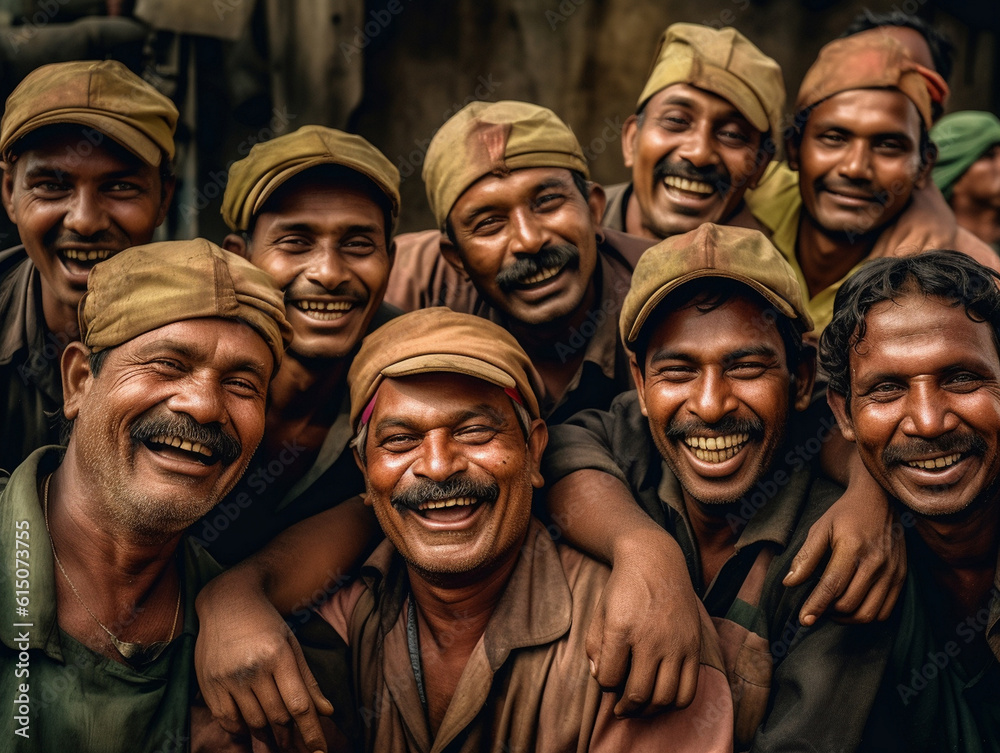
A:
691, 186
76, 254
716, 449
190, 448
545, 274
934, 464
325, 311
451, 510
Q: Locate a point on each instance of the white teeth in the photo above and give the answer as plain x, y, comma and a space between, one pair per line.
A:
935, 463
182, 444
692, 186
716, 449
453, 502
79, 255
324, 311
540, 276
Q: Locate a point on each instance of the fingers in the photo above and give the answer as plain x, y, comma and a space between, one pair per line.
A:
613, 665
298, 693
639, 693
225, 712
595, 637
831, 585
807, 559
890, 602
687, 687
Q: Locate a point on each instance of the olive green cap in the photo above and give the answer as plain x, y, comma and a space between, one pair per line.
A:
961, 139
253, 179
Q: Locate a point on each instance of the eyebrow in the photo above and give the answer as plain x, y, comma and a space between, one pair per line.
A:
306, 227
184, 350
45, 171
901, 135
761, 350
547, 183
479, 411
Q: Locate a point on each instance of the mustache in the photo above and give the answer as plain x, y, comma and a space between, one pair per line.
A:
678, 430
106, 238
425, 490
717, 178
525, 266
964, 443
223, 446
343, 290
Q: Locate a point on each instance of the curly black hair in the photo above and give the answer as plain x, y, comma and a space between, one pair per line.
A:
950, 275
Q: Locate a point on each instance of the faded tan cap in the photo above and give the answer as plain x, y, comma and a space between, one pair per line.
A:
494, 138
725, 63
711, 250
871, 60
439, 339
147, 287
100, 94
253, 179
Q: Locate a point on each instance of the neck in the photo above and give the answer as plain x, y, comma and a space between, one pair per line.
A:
60, 319
826, 257
980, 220
302, 388
633, 220
714, 533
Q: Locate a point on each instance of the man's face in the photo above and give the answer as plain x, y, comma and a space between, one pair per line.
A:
169, 424
859, 160
325, 247
692, 158
528, 242
979, 186
717, 392
76, 204
925, 403
449, 472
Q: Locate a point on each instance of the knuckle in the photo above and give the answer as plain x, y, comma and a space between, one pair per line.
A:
298, 705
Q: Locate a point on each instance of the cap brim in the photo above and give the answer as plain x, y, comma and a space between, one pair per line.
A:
783, 306
453, 364
132, 139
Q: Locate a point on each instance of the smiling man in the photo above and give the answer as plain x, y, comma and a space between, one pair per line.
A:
912, 353
165, 392
508, 185
706, 126
316, 210
86, 150
713, 447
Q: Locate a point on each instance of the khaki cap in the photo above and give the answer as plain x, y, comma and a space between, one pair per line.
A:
101, 94
493, 138
870, 60
723, 62
147, 287
254, 178
439, 339
734, 253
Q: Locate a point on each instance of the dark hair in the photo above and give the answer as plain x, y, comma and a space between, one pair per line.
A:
951, 275
338, 175
709, 293
579, 180
942, 50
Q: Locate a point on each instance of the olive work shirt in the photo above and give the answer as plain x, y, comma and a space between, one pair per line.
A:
942, 683
421, 277
30, 380
527, 684
63, 696
263, 504
825, 677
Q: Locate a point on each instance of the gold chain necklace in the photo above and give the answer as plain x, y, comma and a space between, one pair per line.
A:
135, 654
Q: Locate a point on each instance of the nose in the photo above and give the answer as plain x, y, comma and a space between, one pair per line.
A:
201, 399
856, 163
713, 397
327, 267
697, 146
527, 236
927, 414
86, 215
441, 457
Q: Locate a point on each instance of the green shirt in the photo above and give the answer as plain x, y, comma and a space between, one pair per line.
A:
65, 697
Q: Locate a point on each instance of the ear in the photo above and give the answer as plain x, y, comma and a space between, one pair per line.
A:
538, 438
597, 200
76, 377
838, 404
166, 196
7, 190
237, 244
391, 252
450, 253
639, 377
754, 179
930, 159
792, 150
357, 461
630, 132
805, 378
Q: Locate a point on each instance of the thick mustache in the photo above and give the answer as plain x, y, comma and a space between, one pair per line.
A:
948, 444
224, 447
425, 490
684, 169
549, 257
678, 430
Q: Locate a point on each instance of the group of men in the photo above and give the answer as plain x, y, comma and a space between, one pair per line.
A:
599, 447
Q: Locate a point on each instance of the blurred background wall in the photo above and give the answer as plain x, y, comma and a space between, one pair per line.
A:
395, 70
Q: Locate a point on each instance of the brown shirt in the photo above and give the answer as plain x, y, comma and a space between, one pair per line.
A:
527, 684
